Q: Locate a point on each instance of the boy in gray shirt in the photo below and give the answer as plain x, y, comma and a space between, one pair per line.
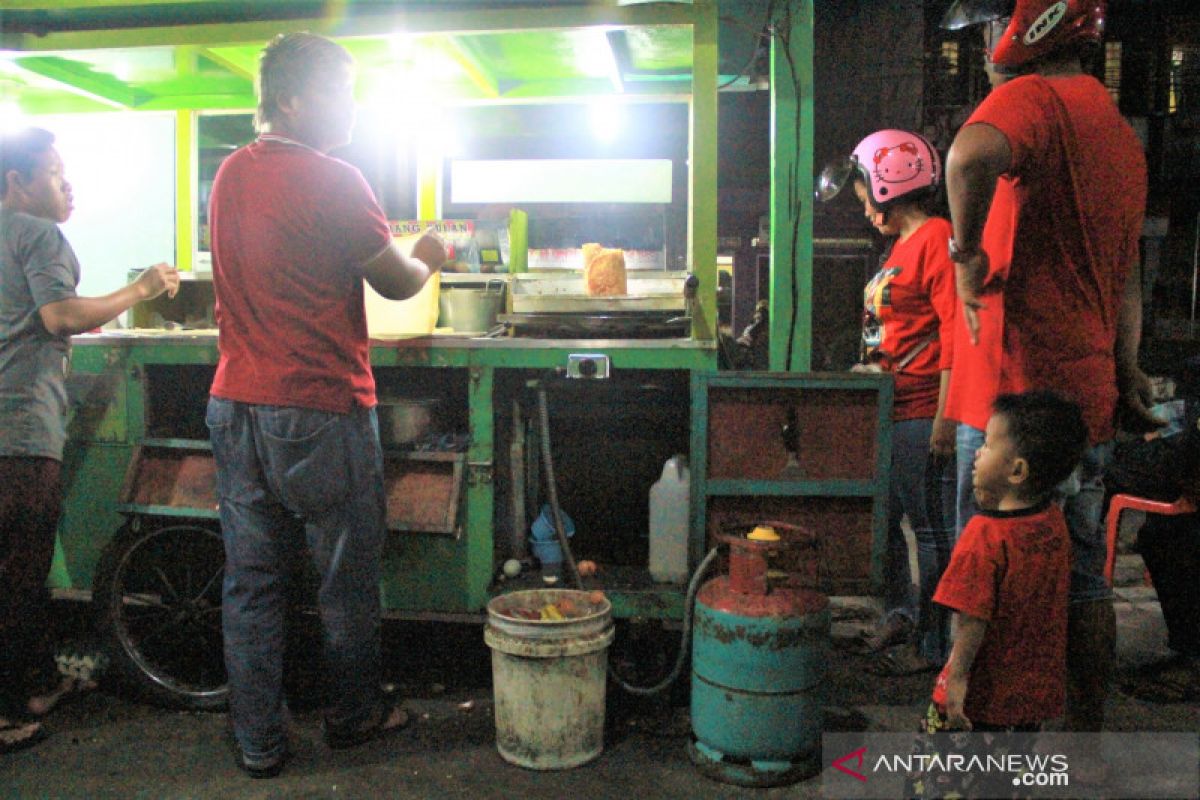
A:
39, 312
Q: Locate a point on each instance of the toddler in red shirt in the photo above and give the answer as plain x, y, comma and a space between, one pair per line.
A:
1009, 573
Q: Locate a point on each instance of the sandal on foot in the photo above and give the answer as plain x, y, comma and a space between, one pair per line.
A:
15, 737
390, 719
880, 637
1175, 684
901, 661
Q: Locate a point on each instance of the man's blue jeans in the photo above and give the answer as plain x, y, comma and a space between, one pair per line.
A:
280, 469
922, 487
967, 441
1083, 504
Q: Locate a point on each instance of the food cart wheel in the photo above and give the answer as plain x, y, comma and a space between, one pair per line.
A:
157, 599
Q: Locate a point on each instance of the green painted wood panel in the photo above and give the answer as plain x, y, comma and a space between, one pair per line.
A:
792, 187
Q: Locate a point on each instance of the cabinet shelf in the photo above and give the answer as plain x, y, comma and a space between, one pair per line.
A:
630, 589
177, 478
437, 456
786, 488
178, 444
423, 491
808, 449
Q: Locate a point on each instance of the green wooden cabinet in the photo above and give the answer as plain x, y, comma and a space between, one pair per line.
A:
144, 453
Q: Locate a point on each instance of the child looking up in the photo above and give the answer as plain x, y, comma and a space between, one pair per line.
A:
1009, 574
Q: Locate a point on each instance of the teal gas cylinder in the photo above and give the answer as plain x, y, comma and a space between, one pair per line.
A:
759, 648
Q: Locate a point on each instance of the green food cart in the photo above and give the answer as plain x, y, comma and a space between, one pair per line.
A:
139, 534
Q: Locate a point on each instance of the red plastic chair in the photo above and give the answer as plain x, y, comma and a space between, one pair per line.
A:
1128, 502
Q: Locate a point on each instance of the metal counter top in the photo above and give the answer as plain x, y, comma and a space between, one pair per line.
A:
450, 341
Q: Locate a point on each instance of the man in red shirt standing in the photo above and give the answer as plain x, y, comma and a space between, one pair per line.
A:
292, 407
1071, 298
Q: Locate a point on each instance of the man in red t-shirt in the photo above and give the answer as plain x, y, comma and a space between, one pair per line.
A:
1071, 298
292, 406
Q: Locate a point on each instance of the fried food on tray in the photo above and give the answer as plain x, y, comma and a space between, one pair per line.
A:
604, 271
590, 251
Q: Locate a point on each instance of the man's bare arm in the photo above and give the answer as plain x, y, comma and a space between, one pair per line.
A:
399, 277
1132, 383
78, 314
978, 157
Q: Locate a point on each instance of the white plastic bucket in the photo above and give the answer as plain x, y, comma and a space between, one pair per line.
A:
548, 679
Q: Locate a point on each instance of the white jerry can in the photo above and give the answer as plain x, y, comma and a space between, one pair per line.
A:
670, 504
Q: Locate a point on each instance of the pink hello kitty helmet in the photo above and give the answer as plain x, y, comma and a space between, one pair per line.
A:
894, 164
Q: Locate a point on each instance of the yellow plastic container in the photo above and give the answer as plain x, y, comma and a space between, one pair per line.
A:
415, 316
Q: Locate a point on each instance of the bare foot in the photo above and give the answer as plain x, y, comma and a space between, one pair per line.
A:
41, 705
389, 720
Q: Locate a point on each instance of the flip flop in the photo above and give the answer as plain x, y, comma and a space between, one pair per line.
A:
1177, 683
901, 661
388, 713
15, 737
879, 637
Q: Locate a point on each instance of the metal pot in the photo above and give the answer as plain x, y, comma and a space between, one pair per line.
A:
405, 420
470, 309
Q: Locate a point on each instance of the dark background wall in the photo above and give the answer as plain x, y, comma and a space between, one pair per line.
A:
886, 63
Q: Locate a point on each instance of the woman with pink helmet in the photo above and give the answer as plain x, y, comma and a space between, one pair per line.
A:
908, 316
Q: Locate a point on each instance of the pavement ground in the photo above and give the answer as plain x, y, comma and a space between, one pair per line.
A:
106, 745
